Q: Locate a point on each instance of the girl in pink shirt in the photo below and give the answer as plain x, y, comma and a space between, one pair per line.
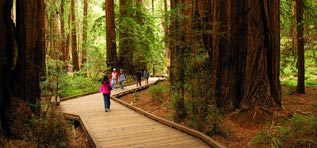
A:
105, 89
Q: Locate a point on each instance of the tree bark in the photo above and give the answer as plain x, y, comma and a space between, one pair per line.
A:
171, 44
30, 37
74, 37
85, 27
245, 58
300, 46
112, 59
63, 33
7, 61
242, 41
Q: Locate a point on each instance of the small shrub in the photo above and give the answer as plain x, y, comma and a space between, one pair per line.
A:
179, 107
157, 92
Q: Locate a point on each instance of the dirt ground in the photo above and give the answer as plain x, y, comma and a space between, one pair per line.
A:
243, 126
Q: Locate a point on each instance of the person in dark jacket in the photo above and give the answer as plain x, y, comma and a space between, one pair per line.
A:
138, 75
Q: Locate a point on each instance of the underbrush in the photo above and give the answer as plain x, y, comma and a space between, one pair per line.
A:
289, 69
189, 111
297, 131
48, 128
158, 92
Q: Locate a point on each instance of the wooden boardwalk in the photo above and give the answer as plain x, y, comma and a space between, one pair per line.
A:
122, 127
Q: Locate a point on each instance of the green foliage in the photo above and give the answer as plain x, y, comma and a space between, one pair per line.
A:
143, 38
157, 92
179, 107
298, 131
288, 52
77, 84
289, 71
62, 84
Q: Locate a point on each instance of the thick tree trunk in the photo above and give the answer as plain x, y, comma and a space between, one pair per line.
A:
245, 58
242, 41
300, 46
171, 44
30, 37
7, 61
85, 27
112, 59
74, 37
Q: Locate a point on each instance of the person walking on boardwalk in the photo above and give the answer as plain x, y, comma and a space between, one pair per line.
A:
105, 89
146, 76
122, 78
114, 78
138, 75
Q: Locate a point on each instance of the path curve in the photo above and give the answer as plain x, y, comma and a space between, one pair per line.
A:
122, 127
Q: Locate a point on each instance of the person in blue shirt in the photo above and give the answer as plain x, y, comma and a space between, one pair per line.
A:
146, 76
122, 78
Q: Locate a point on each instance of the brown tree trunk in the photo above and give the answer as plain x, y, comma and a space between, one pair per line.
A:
177, 60
7, 60
68, 39
112, 59
293, 27
74, 37
171, 44
85, 27
165, 27
30, 36
245, 57
241, 39
153, 6
300, 46
63, 34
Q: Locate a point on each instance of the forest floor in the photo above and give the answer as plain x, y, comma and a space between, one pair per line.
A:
243, 126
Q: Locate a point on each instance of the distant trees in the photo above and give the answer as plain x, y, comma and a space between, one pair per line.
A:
85, 32
74, 36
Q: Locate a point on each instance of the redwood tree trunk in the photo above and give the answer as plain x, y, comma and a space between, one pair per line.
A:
112, 59
63, 34
74, 37
244, 53
171, 44
242, 41
300, 47
7, 51
30, 37
85, 27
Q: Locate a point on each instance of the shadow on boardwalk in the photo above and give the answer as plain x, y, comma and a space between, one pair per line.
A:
123, 127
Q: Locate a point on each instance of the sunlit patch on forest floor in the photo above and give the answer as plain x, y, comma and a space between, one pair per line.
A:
243, 126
